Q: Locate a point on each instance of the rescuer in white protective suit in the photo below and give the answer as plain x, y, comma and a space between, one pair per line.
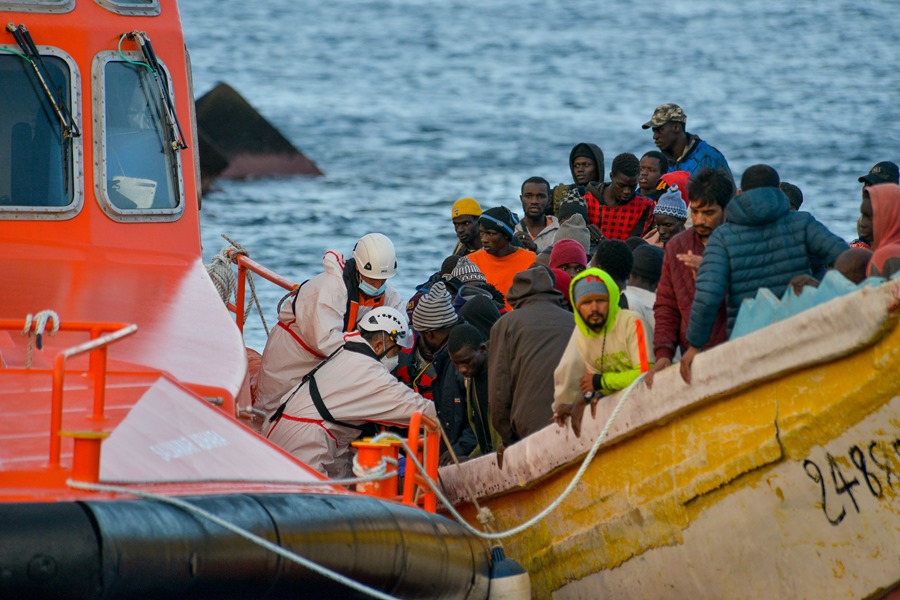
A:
312, 322
349, 390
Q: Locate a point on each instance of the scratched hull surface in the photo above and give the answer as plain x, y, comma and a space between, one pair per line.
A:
775, 474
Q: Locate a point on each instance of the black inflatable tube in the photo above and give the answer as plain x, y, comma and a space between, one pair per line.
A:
148, 549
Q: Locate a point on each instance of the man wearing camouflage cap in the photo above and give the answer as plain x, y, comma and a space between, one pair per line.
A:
685, 151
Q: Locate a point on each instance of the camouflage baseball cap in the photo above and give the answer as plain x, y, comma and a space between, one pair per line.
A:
665, 113
883, 172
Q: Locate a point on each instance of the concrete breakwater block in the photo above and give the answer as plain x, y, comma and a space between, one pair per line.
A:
235, 141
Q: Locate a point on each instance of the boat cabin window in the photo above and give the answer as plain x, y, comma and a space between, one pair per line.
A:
131, 7
37, 6
37, 160
140, 170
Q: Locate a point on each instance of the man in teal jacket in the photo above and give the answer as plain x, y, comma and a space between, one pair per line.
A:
684, 151
763, 244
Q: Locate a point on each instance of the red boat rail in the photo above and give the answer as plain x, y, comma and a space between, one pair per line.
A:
244, 264
102, 335
424, 441
431, 446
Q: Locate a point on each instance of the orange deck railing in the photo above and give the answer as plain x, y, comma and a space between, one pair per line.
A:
424, 441
102, 335
431, 446
244, 264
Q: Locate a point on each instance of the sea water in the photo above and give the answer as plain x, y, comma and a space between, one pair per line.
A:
407, 105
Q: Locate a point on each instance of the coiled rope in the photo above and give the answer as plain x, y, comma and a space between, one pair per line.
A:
225, 281
374, 473
35, 327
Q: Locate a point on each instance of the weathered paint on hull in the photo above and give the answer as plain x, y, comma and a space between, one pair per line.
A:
725, 498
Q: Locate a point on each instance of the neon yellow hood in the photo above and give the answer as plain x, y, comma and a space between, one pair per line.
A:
613, 302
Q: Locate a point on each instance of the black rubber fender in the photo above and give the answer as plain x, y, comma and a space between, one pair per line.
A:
149, 549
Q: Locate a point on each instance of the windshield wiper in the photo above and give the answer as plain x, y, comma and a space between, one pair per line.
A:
162, 87
30, 51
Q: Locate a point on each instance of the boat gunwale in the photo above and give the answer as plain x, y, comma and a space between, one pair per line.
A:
825, 333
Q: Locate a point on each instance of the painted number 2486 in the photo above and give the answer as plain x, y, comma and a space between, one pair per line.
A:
869, 469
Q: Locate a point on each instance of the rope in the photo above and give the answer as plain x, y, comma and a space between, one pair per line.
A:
225, 281
241, 250
375, 473
488, 516
222, 275
484, 513
195, 510
35, 326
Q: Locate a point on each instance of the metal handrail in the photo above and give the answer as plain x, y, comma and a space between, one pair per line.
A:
97, 347
244, 264
432, 446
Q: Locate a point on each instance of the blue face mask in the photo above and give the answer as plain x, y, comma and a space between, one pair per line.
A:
369, 290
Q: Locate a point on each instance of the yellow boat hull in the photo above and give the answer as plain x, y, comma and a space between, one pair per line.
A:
745, 485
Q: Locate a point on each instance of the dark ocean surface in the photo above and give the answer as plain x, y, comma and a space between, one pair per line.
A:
408, 105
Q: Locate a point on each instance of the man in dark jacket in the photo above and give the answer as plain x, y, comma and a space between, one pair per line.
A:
763, 244
710, 191
586, 164
432, 319
469, 353
525, 348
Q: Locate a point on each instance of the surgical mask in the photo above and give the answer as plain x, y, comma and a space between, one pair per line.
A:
390, 362
370, 290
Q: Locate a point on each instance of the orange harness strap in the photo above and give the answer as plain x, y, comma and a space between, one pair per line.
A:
642, 346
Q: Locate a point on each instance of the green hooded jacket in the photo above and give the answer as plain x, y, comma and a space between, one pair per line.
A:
620, 351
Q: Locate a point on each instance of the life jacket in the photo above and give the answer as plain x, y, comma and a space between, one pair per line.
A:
355, 299
419, 378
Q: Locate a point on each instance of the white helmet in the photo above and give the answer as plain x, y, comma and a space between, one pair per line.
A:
375, 256
389, 320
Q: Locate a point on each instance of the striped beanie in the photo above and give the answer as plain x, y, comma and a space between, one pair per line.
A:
467, 272
434, 310
670, 204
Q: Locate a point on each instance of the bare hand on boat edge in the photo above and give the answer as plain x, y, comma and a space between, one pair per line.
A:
576, 410
686, 362
661, 364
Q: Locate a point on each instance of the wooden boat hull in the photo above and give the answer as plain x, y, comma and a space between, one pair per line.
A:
775, 474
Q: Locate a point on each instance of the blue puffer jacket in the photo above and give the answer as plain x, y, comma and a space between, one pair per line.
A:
699, 154
762, 244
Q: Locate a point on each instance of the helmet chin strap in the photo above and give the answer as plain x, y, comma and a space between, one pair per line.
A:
384, 347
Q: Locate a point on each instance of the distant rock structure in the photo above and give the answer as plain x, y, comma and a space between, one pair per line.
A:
235, 141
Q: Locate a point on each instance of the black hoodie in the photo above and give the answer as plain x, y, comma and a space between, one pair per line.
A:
566, 193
